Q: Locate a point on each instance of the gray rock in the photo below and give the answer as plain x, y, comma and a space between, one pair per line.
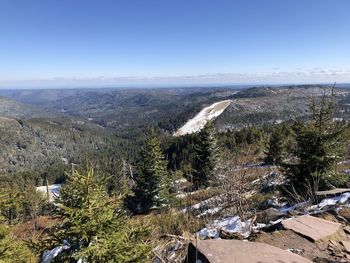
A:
270, 214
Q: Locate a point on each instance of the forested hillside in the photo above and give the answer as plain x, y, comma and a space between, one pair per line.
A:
128, 190
64, 127
13, 108
261, 105
126, 112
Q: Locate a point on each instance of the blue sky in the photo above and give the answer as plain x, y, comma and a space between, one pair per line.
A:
163, 42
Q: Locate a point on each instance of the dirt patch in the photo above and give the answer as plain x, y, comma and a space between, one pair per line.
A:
34, 227
288, 240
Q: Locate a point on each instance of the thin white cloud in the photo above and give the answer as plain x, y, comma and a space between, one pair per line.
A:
275, 76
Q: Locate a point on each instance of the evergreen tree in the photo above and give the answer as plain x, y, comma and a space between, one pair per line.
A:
152, 182
275, 148
205, 157
13, 250
19, 204
121, 179
318, 149
93, 226
280, 142
125, 181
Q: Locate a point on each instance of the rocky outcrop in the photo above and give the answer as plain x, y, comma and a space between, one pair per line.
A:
234, 251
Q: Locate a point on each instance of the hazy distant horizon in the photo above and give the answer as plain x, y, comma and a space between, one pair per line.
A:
166, 86
219, 79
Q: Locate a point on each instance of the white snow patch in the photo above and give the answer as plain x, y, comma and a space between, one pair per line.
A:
211, 211
307, 208
276, 203
302, 205
49, 255
231, 225
181, 195
344, 162
206, 204
337, 119
198, 122
259, 226
208, 233
182, 180
54, 191
341, 199
65, 160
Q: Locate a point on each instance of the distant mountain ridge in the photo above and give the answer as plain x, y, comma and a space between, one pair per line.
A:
128, 111
15, 109
259, 105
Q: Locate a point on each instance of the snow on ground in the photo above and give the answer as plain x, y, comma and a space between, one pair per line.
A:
231, 225
210, 211
197, 123
49, 255
344, 162
54, 191
205, 204
314, 209
341, 199
234, 224
179, 181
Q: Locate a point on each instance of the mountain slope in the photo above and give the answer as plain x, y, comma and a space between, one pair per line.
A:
207, 114
130, 111
257, 106
14, 109
36, 143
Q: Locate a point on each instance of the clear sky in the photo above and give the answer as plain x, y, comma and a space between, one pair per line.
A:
121, 42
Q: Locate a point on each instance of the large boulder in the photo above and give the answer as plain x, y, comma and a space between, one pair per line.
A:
236, 251
311, 227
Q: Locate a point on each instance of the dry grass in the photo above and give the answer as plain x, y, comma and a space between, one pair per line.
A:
34, 228
201, 195
171, 222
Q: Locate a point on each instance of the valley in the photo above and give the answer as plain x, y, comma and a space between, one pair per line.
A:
220, 160
44, 126
174, 131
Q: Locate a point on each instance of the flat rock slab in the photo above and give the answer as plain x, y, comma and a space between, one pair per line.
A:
311, 227
236, 251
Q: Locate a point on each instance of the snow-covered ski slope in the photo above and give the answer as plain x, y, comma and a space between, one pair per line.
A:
197, 123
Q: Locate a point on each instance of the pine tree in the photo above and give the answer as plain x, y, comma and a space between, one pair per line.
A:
318, 149
205, 157
126, 179
93, 225
13, 250
121, 179
152, 182
279, 143
19, 204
